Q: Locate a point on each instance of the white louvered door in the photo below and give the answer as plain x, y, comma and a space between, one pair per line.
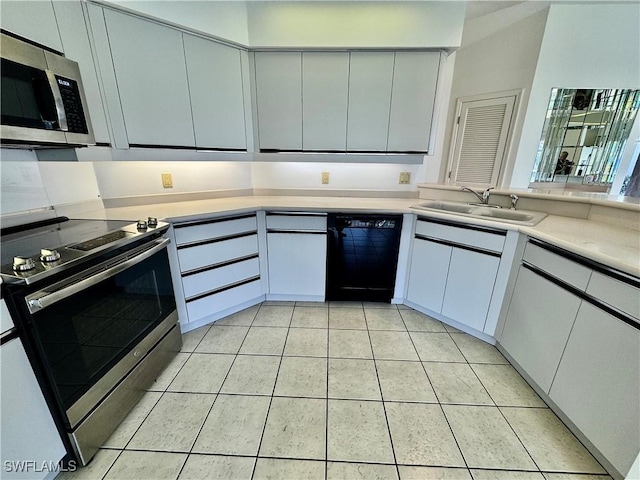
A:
481, 140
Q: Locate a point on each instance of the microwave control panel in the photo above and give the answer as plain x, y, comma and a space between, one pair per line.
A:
71, 99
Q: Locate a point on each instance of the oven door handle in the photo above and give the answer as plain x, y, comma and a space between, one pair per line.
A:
43, 299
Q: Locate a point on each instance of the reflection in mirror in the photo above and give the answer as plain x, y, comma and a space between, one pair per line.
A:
583, 137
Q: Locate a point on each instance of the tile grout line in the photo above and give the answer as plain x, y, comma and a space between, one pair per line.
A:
326, 415
440, 404
217, 394
384, 408
273, 389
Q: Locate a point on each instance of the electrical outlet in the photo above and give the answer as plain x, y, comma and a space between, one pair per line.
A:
325, 178
167, 180
405, 178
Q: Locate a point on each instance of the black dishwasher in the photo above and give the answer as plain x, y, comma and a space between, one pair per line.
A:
362, 255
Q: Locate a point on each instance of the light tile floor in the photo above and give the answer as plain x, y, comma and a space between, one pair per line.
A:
339, 391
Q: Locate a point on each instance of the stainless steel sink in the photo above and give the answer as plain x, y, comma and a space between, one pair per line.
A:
518, 217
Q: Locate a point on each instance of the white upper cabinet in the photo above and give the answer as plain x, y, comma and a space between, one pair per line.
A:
279, 99
370, 79
215, 85
152, 81
415, 75
34, 20
325, 90
75, 40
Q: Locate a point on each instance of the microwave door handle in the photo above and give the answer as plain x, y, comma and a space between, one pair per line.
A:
41, 300
57, 101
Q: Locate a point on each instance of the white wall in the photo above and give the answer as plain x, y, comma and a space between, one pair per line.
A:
503, 60
355, 24
584, 46
346, 176
222, 19
27, 184
127, 179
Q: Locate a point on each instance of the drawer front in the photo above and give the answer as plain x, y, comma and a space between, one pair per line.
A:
207, 231
464, 236
297, 222
561, 268
220, 277
619, 295
218, 302
218, 252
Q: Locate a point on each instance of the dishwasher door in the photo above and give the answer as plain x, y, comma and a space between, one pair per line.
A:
362, 256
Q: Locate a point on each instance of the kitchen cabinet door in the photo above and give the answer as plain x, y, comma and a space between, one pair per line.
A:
415, 75
279, 99
28, 431
428, 276
470, 282
297, 265
370, 79
598, 384
149, 65
325, 85
74, 35
215, 85
34, 20
537, 326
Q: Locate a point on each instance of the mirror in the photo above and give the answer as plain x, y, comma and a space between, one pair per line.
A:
583, 137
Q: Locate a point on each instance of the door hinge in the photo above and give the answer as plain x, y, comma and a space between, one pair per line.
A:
449, 175
458, 121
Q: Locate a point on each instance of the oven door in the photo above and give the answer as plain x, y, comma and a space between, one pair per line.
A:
95, 327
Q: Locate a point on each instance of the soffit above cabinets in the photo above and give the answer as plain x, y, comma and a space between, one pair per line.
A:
318, 24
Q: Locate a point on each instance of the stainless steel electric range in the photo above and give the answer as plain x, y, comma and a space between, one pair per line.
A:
93, 304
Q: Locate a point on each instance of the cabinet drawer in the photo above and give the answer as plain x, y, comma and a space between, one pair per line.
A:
464, 236
297, 222
212, 253
214, 229
619, 295
561, 268
217, 278
218, 302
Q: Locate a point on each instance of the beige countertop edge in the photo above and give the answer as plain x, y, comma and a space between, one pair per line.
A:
601, 199
616, 247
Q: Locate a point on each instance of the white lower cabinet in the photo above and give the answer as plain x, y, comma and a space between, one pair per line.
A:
539, 320
219, 267
428, 277
572, 327
470, 282
29, 436
297, 256
598, 384
450, 275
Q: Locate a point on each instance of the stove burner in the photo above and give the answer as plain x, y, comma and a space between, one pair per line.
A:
23, 264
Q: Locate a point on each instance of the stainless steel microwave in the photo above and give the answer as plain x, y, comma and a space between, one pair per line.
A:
43, 102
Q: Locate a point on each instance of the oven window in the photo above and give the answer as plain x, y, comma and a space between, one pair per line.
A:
84, 335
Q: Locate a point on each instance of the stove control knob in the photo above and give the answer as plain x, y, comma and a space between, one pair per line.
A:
23, 264
47, 255
142, 225
152, 222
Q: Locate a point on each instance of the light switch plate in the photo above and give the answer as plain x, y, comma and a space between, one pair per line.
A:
167, 180
325, 178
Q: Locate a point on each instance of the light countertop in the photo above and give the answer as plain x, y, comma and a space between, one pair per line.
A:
613, 246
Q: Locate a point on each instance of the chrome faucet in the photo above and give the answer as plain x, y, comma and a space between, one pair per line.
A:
514, 200
483, 197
